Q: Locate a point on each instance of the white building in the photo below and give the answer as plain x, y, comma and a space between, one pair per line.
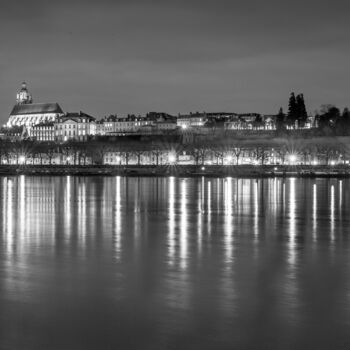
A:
75, 126
114, 125
26, 113
191, 120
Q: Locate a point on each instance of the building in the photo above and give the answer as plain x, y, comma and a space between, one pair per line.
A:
114, 125
26, 113
191, 120
251, 121
43, 132
74, 126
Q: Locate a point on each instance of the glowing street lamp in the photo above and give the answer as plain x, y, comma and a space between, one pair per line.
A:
117, 159
183, 126
229, 159
292, 158
172, 159
22, 159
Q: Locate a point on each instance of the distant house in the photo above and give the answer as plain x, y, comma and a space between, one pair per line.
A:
75, 126
191, 120
43, 132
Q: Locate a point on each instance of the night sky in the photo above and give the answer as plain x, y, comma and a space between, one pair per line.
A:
126, 56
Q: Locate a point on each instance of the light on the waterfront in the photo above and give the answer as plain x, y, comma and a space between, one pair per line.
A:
117, 159
229, 159
172, 158
22, 159
292, 158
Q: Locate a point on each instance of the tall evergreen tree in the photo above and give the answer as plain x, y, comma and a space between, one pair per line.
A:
346, 114
292, 110
343, 123
301, 110
280, 119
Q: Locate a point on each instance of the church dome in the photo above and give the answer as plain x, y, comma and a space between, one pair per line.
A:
24, 97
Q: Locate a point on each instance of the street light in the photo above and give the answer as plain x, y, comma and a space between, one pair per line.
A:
22, 159
172, 158
229, 159
292, 158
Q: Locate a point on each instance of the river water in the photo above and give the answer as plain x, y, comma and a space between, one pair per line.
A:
174, 263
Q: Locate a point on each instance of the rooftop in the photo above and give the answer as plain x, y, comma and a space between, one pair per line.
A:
36, 108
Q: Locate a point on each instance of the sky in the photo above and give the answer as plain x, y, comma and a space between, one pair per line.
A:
123, 56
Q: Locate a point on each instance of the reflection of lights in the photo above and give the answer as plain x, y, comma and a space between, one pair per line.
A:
172, 158
9, 215
292, 158
22, 203
256, 209
314, 209
292, 221
332, 207
228, 218
67, 205
171, 207
22, 159
183, 224
117, 217
209, 199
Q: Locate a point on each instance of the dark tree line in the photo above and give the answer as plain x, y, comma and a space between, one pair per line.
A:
297, 113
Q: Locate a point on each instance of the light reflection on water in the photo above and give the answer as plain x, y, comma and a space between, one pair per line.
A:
154, 262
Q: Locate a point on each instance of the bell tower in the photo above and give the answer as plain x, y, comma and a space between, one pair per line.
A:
23, 96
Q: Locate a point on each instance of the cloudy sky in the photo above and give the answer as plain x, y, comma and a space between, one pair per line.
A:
126, 56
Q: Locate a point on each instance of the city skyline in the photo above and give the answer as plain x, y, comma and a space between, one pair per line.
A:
116, 57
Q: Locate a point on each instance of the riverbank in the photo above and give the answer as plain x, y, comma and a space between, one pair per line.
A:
180, 170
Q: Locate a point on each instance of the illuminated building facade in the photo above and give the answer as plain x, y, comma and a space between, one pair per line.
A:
26, 113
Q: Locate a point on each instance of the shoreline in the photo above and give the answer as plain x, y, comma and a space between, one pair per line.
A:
237, 171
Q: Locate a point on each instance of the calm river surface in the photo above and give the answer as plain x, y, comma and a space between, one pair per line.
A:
171, 263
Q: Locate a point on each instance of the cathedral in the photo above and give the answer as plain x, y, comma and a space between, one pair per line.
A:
26, 113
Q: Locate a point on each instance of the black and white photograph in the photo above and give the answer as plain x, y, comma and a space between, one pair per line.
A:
175, 174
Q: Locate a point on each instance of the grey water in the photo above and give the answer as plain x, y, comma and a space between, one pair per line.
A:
174, 263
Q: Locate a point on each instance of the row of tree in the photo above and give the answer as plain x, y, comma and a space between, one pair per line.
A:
218, 152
